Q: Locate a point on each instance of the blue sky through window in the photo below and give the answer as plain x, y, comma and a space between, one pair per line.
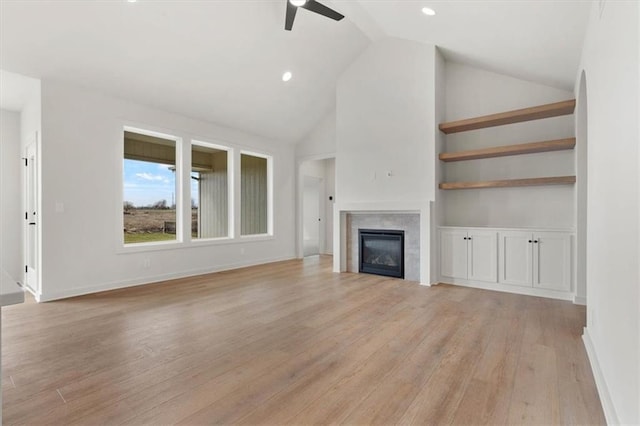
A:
146, 183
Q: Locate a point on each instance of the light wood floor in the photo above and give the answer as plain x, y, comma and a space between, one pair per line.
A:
293, 343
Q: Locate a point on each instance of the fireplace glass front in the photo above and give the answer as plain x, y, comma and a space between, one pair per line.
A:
381, 252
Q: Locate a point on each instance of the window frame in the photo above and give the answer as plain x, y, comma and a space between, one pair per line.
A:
230, 190
153, 245
183, 145
270, 233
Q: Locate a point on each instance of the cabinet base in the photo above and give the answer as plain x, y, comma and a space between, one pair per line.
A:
506, 288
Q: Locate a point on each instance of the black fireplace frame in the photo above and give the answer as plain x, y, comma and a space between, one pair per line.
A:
383, 270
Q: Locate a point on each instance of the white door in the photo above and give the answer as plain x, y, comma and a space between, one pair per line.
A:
482, 255
311, 215
453, 253
552, 261
31, 218
515, 258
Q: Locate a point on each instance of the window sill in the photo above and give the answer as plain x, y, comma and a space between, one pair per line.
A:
257, 237
143, 247
174, 245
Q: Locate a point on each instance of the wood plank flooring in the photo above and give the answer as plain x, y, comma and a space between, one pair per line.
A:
293, 343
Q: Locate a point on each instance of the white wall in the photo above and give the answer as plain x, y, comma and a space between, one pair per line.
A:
81, 173
385, 137
321, 142
610, 61
384, 124
472, 92
11, 214
314, 168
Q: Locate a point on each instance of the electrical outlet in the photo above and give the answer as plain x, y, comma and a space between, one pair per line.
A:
146, 263
592, 317
241, 250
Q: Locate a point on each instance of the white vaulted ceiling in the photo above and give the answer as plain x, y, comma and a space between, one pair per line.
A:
222, 60
536, 40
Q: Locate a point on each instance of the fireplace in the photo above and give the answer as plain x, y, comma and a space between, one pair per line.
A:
381, 252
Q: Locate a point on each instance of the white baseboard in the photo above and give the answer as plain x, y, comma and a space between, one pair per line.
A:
81, 291
603, 391
580, 300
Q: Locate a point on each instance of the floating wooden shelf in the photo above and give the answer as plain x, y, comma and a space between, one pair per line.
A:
558, 180
504, 151
527, 114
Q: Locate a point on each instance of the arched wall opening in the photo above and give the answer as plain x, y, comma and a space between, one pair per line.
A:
581, 191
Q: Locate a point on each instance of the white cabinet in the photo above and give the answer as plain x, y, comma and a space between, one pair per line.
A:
552, 261
469, 254
524, 261
535, 259
516, 258
453, 253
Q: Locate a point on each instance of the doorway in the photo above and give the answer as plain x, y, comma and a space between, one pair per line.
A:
312, 216
316, 198
31, 223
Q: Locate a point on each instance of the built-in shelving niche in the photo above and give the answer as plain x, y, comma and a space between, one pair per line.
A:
510, 117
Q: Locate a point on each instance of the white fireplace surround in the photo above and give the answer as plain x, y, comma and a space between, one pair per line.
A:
341, 231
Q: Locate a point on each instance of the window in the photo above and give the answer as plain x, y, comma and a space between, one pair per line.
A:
255, 194
149, 203
209, 191
169, 196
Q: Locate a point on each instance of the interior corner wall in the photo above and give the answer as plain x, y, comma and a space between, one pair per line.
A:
610, 60
82, 196
472, 92
438, 218
11, 215
581, 193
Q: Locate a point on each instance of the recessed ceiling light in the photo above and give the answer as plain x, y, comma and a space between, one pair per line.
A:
287, 76
428, 11
297, 2
132, 1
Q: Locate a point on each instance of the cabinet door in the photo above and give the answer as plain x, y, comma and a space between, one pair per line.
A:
453, 253
552, 261
515, 258
482, 262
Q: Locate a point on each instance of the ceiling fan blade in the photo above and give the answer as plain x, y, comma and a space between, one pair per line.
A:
316, 7
291, 14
